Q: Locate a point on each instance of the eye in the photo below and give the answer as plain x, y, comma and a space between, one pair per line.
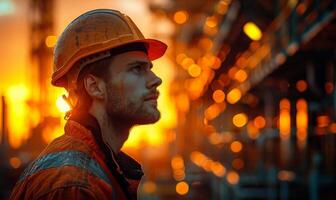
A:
137, 69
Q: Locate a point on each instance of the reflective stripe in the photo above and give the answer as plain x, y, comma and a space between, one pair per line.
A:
66, 158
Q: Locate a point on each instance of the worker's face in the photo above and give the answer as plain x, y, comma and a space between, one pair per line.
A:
132, 89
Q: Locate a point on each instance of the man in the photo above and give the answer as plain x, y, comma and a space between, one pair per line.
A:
104, 62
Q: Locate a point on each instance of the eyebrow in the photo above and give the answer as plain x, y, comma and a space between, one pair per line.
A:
141, 63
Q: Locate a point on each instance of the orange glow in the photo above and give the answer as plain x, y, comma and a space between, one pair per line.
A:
186, 62
323, 121
216, 64
301, 8
285, 119
285, 175
194, 88
333, 127
227, 137
253, 61
232, 72
149, 187
210, 60
218, 169
180, 57
182, 102
222, 7
252, 131
236, 146
259, 122
18, 93
207, 165
280, 58
241, 75
264, 50
329, 87
180, 17
301, 119
214, 110
182, 188
215, 138
242, 62
177, 162
292, 48
301, 85
62, 105
18, 110
171, 136
252, 31
51, 132
239, 120
218, 96
198, 158
238, 163
254, 45
205, 43
232, 177
50, 41
211, 21
234, 96
211, 31
179, 174
194, 70
15, 162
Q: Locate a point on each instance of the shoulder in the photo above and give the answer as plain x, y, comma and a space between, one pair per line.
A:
60, 172
63, 170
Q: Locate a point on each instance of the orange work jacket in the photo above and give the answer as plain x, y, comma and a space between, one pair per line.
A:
74, 166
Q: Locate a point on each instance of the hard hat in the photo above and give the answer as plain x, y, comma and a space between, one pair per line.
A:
93, 33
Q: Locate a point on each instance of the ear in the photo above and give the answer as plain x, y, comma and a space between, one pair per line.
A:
94, 86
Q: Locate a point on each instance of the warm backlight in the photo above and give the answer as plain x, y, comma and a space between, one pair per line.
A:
62, 105
259, 122
218, 96
252, 31
301, 119
285, 119
194, 70
50, 41
180, 17
236, 146
232, 177
239, 120
234, 96
182, 188
301, 85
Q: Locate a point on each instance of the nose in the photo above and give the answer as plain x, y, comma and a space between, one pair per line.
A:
153, 81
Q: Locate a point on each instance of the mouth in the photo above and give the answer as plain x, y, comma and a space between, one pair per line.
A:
152, 96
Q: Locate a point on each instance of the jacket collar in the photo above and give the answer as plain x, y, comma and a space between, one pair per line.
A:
122, 162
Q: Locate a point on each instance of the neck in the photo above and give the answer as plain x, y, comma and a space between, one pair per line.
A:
114, 133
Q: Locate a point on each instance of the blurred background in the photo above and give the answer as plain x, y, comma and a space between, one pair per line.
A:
248, 99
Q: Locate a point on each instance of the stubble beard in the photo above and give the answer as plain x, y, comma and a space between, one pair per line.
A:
130, 112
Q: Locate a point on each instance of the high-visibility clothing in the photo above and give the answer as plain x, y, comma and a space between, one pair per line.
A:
75, 166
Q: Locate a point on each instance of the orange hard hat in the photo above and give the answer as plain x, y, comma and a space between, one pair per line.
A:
94, 33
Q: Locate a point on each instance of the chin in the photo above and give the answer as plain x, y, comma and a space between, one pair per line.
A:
150, 118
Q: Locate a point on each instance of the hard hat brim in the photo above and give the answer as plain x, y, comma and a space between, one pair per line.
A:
155, 48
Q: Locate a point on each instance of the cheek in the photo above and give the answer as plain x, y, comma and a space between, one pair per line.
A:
126, 89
